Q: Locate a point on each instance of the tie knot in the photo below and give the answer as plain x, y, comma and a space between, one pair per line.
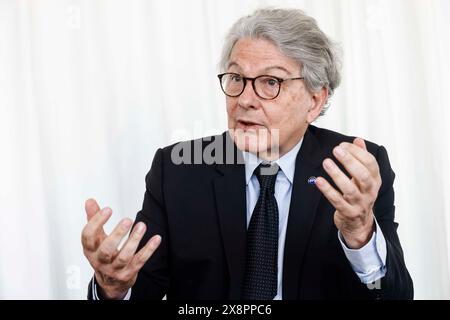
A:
267, 175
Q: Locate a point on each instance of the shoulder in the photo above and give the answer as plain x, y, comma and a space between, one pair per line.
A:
329, 139
183, 166
184, 160
205, 150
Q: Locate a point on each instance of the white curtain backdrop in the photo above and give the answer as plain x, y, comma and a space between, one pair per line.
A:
89, 89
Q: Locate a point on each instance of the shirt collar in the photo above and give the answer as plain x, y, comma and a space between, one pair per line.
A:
286, 163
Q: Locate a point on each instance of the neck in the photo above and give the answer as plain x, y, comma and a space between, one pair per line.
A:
276, 152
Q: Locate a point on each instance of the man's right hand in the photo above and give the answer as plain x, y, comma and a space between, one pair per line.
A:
115, 270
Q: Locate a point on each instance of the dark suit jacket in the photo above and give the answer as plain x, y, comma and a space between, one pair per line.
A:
200, 212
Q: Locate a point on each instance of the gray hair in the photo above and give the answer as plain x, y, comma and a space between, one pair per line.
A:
298, 36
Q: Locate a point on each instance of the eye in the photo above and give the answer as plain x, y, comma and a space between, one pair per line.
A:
271, 82
236, 78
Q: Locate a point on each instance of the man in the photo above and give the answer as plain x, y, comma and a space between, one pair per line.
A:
284, 210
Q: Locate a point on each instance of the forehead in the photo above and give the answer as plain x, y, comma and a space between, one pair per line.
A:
256, 55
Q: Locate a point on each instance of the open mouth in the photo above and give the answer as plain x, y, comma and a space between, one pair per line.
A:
247, 125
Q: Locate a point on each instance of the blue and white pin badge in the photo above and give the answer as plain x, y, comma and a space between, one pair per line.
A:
312, 180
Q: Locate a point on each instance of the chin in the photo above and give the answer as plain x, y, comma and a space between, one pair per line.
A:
253, 141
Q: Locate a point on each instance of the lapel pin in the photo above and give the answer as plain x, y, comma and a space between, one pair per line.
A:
312, 180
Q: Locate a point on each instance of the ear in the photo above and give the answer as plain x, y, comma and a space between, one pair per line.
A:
318, 100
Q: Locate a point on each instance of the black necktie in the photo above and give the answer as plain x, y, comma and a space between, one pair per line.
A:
260, 281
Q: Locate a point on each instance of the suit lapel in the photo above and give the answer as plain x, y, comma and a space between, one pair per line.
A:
304, 201
231, 208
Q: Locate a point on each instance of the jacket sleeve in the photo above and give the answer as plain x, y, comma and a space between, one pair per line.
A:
397, 283
153, 279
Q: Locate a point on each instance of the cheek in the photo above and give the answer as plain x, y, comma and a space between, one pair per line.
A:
291, 115
284, 115
231, 110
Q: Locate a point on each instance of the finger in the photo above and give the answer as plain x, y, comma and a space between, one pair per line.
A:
335, 198
145, 253
362, 176
93, 233
108, 248
91, 207
345, 185
363, 156
360, 143
128, 251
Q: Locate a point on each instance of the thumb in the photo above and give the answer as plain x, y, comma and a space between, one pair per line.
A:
360, 143
91, 207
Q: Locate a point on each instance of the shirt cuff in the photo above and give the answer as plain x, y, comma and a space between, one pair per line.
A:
95, 295
368, 262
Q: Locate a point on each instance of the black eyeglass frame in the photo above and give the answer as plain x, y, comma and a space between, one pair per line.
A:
280, 81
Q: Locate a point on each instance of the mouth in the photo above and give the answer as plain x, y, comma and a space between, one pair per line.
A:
248, 125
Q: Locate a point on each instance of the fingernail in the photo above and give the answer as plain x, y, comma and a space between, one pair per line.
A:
328, 164
126, 223
340, 151
106, 211
319, 182
157, 240
140, 228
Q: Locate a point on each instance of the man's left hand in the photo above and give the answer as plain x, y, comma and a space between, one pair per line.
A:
355, 199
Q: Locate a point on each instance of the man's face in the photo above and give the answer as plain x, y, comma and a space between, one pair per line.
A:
261, 126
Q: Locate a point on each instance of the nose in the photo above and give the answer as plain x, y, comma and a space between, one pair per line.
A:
248, 98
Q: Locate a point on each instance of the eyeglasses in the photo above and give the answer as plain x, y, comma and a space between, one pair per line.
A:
265, 87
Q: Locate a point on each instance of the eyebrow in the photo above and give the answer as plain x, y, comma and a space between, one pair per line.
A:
231, 64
